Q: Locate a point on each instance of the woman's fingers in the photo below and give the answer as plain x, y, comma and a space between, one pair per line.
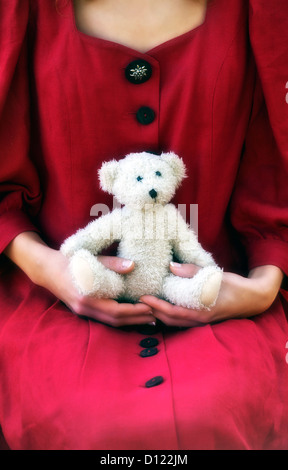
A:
157, 304
120, 314
175, 321
173, 315
110, 305
121, 320
123, 265
113, 313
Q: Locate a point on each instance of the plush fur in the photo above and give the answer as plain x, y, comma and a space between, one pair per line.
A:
150, 232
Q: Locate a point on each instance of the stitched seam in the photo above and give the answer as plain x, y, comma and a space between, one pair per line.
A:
238, 29
172, 394
216, 83
71, 197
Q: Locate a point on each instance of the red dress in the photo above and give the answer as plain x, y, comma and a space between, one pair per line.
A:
68, 102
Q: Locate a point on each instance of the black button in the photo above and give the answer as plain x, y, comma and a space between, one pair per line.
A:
149, 342
154, 381
138, 71
148, 352
145, 115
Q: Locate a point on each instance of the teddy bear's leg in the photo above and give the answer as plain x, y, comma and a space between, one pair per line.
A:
198, 292
92, 278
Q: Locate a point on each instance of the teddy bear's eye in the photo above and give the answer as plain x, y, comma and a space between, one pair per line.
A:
158, 173
139, 178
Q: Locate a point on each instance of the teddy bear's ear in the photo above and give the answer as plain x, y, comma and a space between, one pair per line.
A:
107, 175
177, 164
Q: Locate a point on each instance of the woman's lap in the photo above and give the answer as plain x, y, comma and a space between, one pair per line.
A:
71, 383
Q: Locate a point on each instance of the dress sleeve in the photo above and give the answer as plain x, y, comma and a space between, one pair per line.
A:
259, 207
19, 183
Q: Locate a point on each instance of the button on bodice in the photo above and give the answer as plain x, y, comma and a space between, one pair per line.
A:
138, 71
145, 115
154, 381
147, 352
149, 342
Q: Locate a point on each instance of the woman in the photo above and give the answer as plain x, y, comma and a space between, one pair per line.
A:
213, 86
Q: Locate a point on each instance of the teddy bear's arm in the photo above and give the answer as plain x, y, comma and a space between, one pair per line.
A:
96, 236
185, 243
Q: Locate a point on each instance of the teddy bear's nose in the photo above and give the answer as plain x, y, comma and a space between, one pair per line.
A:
153, 193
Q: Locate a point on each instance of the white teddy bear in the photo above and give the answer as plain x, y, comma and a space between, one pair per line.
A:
150, 231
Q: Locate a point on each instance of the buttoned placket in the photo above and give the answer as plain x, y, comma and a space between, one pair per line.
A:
150, 350
142, 77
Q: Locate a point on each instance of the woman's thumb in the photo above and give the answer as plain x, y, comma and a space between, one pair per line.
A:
184, 270
117, 264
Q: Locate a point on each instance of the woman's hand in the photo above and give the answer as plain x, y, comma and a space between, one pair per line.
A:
58, 281
239, 297
49, 268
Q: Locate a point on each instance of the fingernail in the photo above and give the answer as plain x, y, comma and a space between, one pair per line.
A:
152, 323
127, 263
175, 265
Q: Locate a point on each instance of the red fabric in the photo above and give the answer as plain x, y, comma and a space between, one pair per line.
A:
70, 383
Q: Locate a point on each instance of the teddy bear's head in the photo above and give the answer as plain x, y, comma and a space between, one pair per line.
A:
143, 178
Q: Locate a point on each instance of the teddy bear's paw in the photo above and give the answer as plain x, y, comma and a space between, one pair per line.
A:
199, 292
71, 245
92, 278
82, 274
211, 283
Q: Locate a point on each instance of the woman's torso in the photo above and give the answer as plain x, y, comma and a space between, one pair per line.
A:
86, 110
